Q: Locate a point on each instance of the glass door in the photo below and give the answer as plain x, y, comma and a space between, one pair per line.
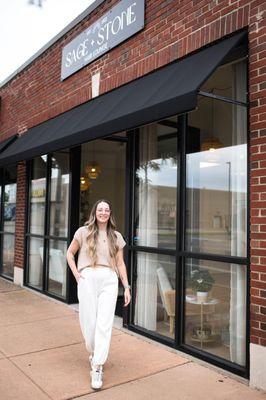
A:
103, 170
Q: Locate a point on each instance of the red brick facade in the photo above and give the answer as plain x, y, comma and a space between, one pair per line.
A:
257, 95
20, 215
172, 30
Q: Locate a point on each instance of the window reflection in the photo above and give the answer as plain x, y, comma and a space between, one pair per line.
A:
10, 194
37, 195
35, 256
10, 207
8, 254
216, 196
156, 179
57, 267
59, 194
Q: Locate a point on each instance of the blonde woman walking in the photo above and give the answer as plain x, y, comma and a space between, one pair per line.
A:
100, 260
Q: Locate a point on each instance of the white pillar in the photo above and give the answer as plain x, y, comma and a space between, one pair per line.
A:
18, 276
257, 366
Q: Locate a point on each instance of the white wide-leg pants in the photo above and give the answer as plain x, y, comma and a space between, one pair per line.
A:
97, 294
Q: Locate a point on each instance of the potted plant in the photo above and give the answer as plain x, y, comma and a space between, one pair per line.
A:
201, 281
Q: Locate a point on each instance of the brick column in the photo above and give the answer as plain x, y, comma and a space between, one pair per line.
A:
20, 223
257, 78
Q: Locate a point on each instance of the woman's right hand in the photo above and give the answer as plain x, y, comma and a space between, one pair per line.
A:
78, 276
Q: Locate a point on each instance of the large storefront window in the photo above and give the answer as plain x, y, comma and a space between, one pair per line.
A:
8, 191
216, 218
189, 234
48, 223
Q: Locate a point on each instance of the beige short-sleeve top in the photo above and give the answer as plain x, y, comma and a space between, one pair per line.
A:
103, 257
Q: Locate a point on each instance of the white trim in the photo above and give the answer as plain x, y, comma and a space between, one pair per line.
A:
257, 366
18, 276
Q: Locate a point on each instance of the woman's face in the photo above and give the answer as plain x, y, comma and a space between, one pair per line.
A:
102, 212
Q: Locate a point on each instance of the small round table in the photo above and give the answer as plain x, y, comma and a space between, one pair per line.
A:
210, 301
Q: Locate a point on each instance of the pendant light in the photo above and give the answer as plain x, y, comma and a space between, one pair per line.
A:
84, 183
211, 143
93, 170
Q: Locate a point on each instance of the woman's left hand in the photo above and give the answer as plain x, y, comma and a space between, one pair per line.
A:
127, 297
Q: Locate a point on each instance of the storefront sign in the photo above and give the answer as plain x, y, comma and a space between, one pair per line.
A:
38, 193
117, 25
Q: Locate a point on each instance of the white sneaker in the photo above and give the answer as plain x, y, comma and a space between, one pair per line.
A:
96, 377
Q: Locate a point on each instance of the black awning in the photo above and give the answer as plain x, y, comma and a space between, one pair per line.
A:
168, 91
7, 142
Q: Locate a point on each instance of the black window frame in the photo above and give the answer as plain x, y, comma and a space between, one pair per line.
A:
181, 254
2, 231
46, 237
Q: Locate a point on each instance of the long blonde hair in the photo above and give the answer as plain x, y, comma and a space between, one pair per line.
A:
93, 233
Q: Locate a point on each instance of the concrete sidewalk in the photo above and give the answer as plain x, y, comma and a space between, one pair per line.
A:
43, 356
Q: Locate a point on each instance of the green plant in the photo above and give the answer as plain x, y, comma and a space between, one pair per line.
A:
6, 197
201, 280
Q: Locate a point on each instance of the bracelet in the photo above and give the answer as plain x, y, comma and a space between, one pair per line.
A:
127, 287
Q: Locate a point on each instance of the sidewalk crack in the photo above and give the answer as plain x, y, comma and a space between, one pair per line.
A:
32, 381
42, 350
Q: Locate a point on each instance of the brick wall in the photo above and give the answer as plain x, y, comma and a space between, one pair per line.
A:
20, 215
173, 29
257, 82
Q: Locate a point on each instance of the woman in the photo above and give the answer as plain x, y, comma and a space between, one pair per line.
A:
100, 260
